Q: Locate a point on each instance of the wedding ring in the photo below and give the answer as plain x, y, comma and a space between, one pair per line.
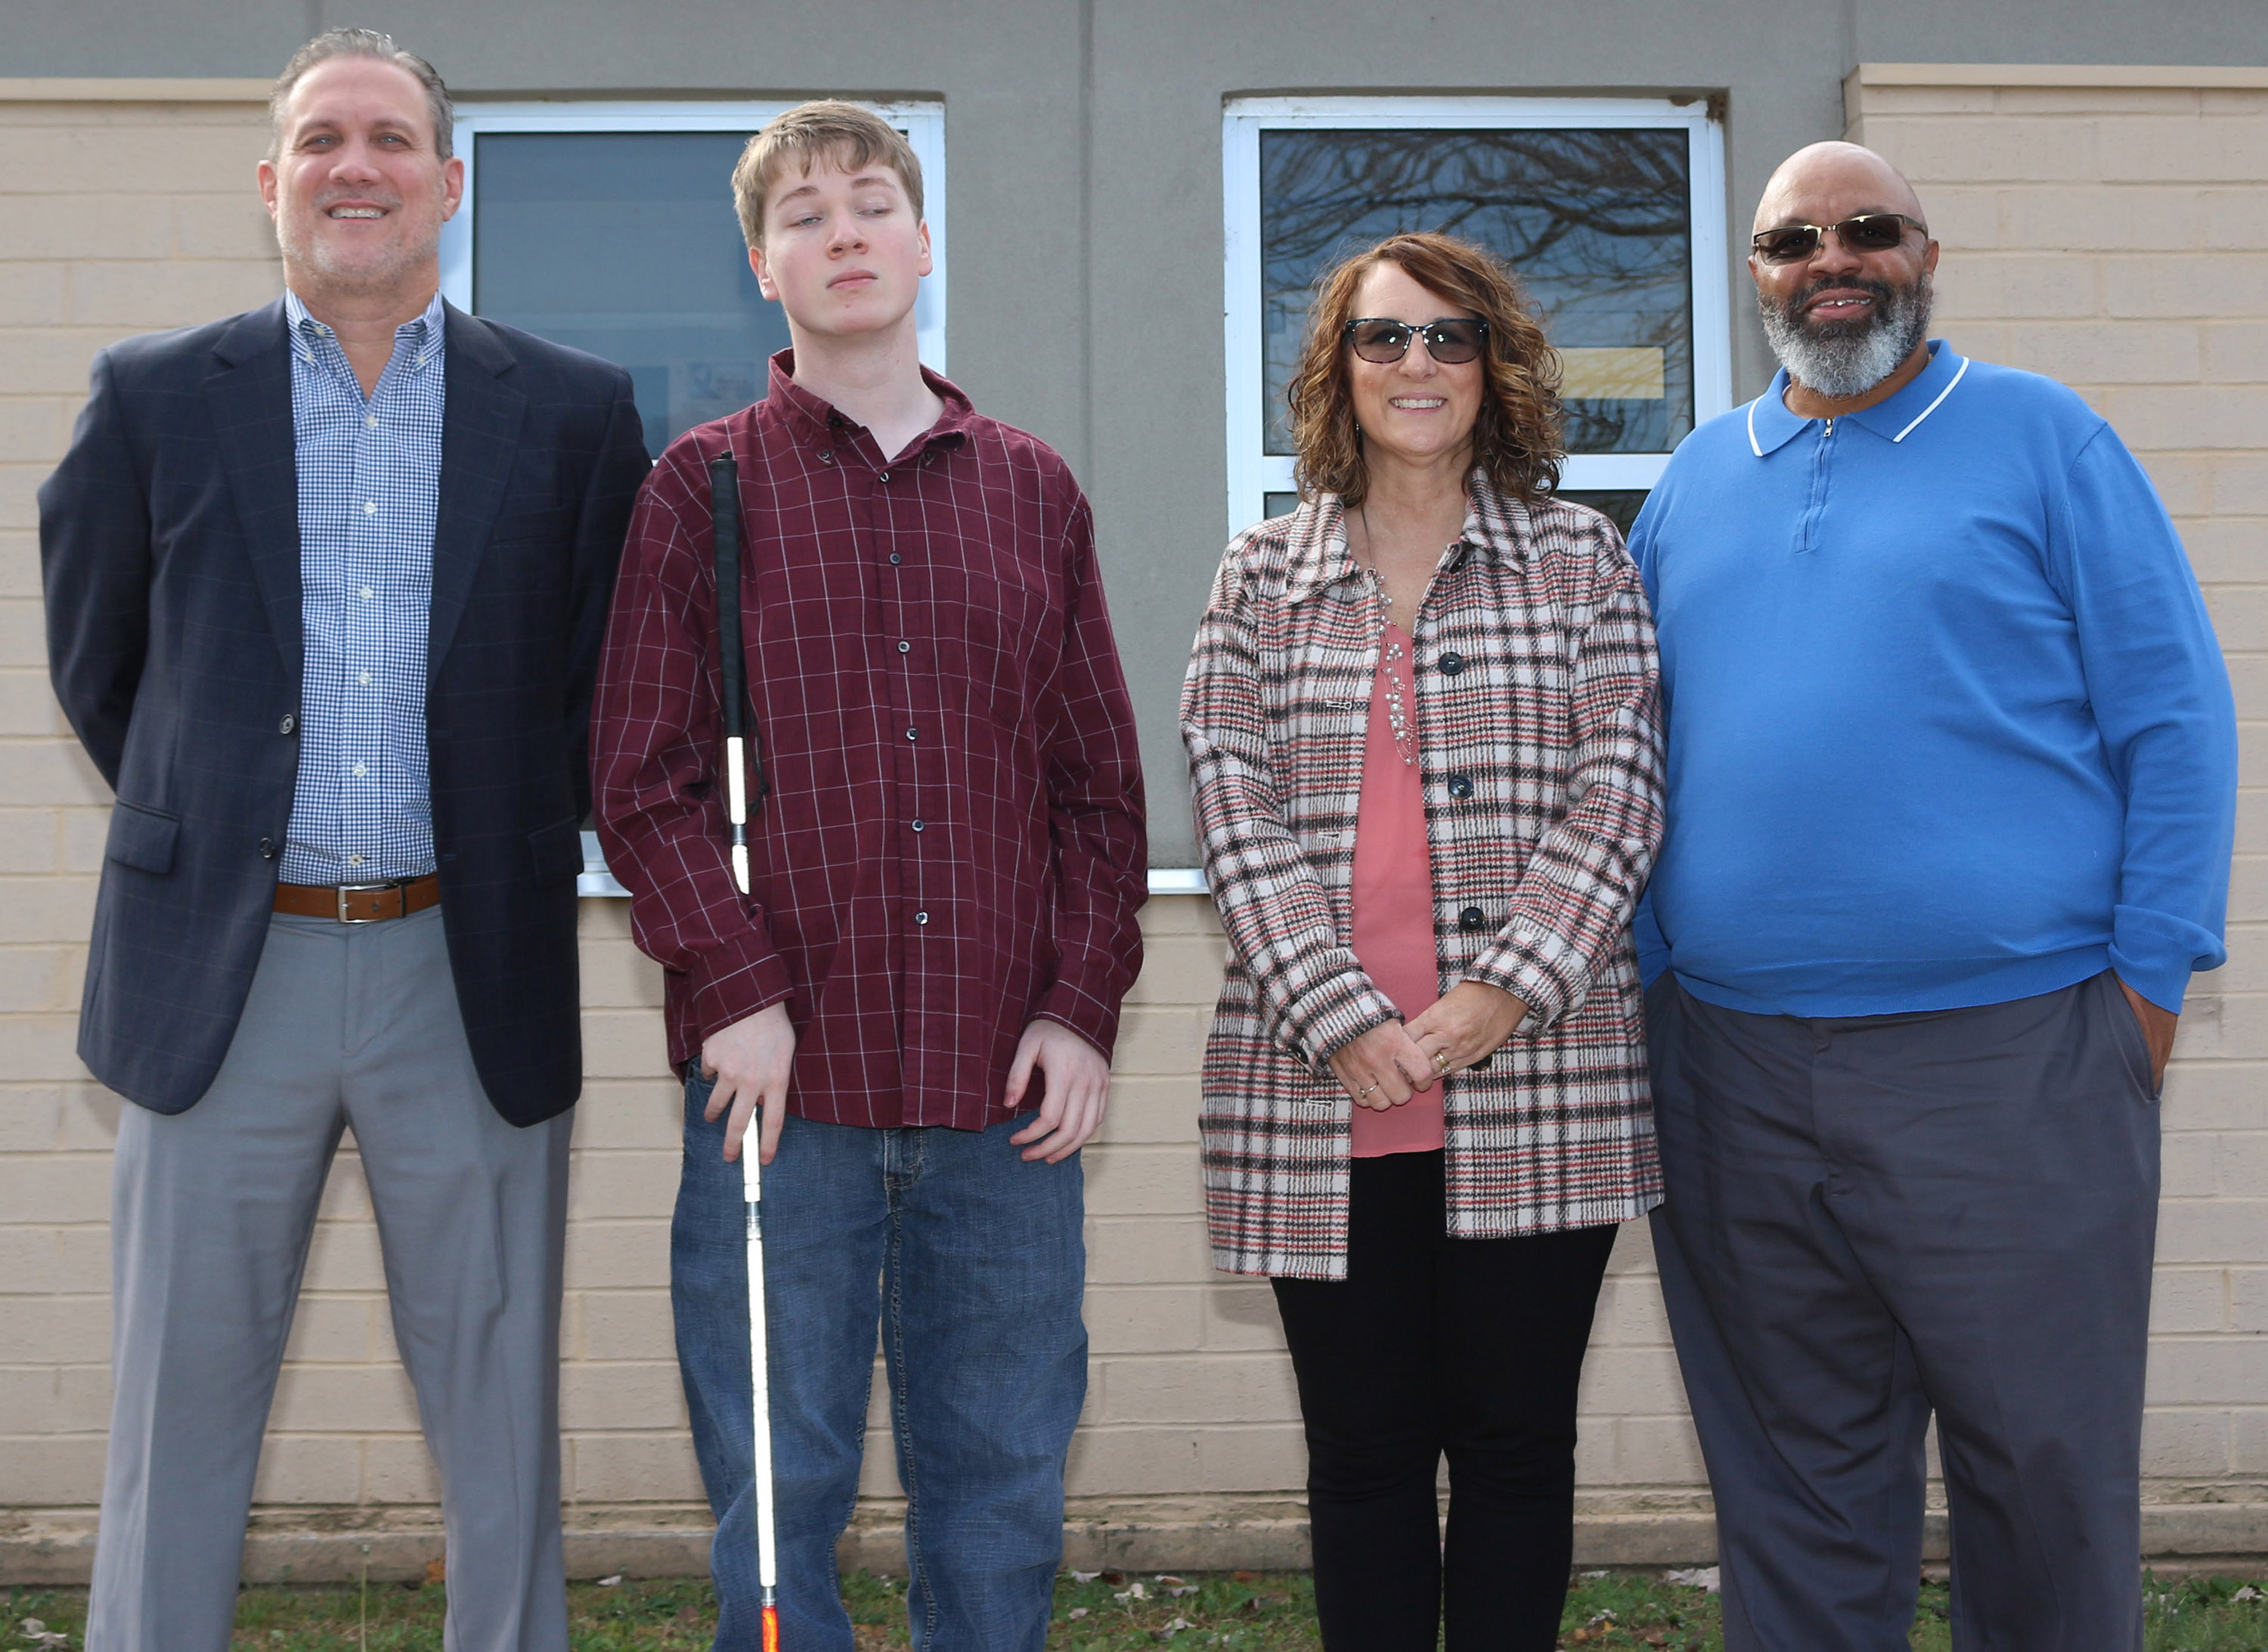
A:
1442, 1062
1363, 1091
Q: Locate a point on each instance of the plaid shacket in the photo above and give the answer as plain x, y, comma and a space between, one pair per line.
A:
1539, 730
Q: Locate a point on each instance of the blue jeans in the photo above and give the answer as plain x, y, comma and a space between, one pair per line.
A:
972, 1262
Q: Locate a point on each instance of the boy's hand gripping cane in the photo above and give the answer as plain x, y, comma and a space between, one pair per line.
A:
724, 505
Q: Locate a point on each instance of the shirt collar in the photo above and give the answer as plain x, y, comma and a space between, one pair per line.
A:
418, 333
1318, 558
814, 418
1771, 426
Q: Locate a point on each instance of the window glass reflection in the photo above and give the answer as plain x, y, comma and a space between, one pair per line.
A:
1621, 506
625, 244
1596, 222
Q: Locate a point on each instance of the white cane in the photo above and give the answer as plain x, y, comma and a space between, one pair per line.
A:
767, 1545
725, 522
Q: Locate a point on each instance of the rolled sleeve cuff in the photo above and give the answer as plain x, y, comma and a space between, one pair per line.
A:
732, 981
1329, 1018
1533, 966
2155, 954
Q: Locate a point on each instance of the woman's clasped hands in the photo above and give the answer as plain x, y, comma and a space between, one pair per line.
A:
1387, 1065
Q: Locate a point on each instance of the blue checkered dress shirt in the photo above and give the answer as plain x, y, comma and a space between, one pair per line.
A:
370, 480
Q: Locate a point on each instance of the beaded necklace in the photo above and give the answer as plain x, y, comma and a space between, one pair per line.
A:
1393, 661
1397, 708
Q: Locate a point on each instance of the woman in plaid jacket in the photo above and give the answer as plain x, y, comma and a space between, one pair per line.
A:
1429, 784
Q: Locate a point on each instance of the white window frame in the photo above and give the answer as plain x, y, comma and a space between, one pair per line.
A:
1253, 473
923, 123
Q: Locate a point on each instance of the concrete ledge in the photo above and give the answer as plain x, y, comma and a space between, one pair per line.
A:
2216, 77
2176, 1531
19, 89
1141, 1535
40, 1557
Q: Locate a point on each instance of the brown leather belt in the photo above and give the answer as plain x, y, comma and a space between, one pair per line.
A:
359, 903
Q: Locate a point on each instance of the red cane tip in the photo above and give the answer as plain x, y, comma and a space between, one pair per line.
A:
771, 1629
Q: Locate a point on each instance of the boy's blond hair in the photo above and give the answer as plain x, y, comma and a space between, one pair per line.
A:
810, 133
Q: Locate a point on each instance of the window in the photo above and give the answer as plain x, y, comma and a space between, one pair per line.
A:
1592, 201
610, 227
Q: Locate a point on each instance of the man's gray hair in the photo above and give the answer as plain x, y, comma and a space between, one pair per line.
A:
364, 43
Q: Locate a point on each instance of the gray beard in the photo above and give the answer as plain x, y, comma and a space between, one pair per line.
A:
1842, 360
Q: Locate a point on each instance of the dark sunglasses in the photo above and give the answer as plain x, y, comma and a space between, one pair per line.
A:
1451, 340
1868, 233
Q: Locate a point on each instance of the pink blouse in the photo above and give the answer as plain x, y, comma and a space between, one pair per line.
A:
1394, 890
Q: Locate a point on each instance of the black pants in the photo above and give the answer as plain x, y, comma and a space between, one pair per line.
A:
1431, 1344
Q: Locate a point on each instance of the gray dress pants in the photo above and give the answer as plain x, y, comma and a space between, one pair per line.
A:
1872, 1218
347, 1027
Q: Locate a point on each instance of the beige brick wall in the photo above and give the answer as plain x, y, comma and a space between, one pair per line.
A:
2154, 288
114, 219
2111, 228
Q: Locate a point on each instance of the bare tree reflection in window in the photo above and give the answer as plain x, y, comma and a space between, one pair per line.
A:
1596, 222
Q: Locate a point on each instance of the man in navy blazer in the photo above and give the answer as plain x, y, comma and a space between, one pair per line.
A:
326, 585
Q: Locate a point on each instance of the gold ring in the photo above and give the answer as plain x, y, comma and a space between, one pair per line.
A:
1363, 1091
1442, 1062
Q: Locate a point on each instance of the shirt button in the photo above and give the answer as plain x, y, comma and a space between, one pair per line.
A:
369, 507
360, 771
363, 678
369, 421
267, 849
827, 455
287, 723
920, 826
913, 733
905, 648
1452, 663
921, 917
885, 476
1472, 919
895, 559
354, 861
1461, 786
364, 594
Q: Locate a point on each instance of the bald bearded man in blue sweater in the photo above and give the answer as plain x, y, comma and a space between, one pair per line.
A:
1951, 785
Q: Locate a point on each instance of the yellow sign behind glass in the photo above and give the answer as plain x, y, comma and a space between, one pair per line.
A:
1624, 374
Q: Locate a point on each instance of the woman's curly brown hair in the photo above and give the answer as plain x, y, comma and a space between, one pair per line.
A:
1516, 437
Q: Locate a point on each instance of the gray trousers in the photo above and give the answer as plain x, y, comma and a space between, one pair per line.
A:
347, 1027
1873, 1218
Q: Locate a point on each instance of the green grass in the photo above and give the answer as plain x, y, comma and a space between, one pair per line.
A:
1111, 1612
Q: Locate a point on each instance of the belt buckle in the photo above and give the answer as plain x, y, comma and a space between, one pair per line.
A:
345, 889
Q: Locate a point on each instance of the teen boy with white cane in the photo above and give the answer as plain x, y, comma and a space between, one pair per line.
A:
920, 988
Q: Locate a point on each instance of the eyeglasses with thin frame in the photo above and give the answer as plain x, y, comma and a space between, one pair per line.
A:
1450, 339
1868, 233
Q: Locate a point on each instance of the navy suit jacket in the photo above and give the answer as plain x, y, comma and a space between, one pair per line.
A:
169, 544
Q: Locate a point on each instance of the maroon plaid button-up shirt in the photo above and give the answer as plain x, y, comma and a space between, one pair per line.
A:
952, 845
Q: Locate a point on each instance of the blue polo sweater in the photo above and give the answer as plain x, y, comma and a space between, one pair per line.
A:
1948, 723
